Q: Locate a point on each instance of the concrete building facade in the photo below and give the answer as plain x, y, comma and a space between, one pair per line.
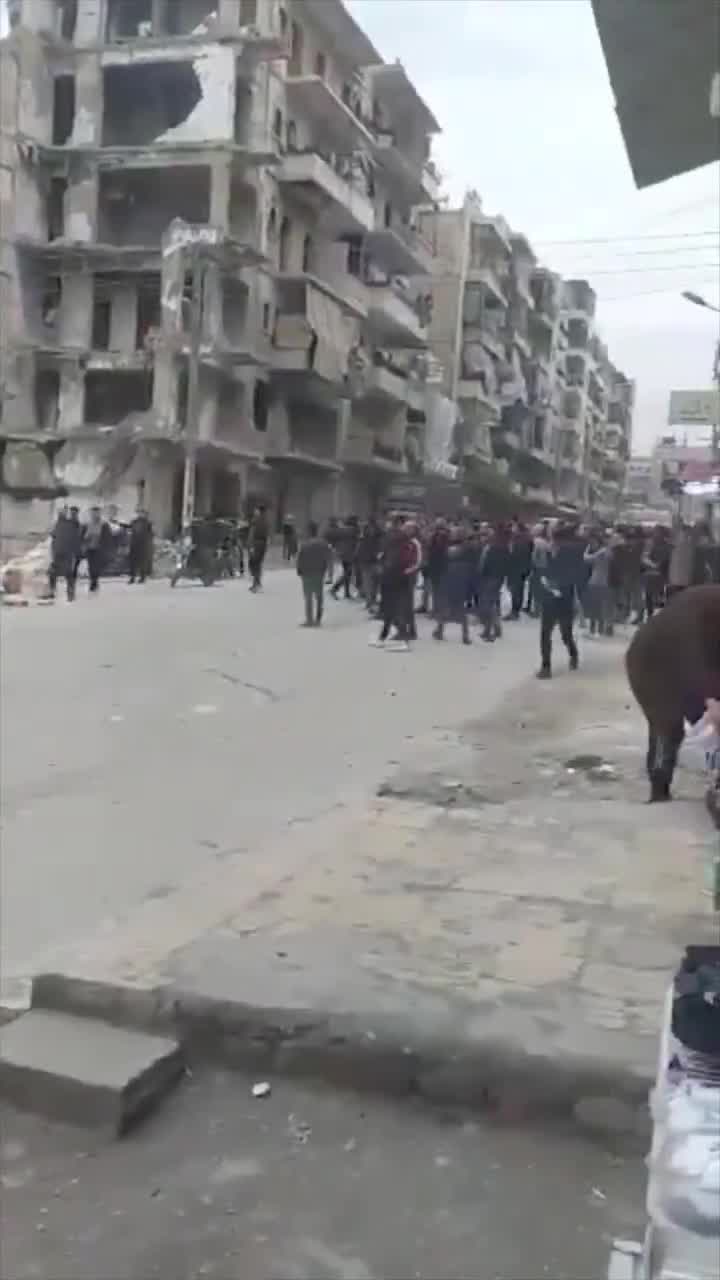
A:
523, 362
212, 287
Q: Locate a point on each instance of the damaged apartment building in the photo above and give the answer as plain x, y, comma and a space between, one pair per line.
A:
214, 279
544, 419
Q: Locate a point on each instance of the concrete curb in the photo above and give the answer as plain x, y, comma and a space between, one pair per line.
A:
396, 1057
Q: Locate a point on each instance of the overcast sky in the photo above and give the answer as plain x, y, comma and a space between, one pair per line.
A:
521, 91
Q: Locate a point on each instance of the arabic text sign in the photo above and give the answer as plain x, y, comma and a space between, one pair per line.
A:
694, 408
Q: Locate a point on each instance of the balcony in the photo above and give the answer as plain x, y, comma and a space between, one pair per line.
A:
295, 455
312, 340
490, 277
346, 209
371, 452
383, 382
419, 182
335, 123
471, 392
393, 319
401, 250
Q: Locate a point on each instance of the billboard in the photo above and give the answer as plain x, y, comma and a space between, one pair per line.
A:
694, 408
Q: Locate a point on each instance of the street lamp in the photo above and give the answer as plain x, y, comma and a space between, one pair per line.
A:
699, 301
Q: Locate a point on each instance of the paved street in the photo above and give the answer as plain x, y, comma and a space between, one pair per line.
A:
310, 1185
149, 735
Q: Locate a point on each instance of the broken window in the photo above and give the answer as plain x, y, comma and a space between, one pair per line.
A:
143, 102
148, 311
112, 396
242, 126
282, 16
266, 317
68, 19
292, 136
284, 250
234, 311
272, 223
55, 208
128, 18
297, 41
187, 17
102, 308
63, 109
278, 124
50, 304
320, 65
136, 206
47, 398
183, 387
308, 253
260, 405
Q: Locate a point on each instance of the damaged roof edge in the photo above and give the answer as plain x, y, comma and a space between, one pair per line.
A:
335, 19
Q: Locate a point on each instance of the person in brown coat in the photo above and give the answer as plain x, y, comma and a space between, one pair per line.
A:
673, 666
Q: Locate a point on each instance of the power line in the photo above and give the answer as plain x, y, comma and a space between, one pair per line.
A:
667, 235
672, 248
643, 293
622, 271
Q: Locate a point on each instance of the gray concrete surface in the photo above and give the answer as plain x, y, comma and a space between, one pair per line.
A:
149, 735
84, 1070
310, 1185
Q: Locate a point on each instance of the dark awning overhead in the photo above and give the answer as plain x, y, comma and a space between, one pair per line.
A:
661, 57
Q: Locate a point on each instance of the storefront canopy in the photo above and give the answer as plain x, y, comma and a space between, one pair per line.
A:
662, 57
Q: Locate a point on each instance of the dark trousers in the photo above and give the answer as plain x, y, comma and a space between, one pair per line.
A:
396, 609
557, 611
62, 567
344, 580
256, 556
313, 586
137, 564
662, 753
516, 583
94, 564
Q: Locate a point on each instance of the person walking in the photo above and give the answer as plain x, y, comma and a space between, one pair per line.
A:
290, 539
368, 555
313, 559
436, 564
492, 572
65, 551
458, 586
399, 560
257, 547
559, 583
597, 592
519, 566
96, 543
346, 549
140, 552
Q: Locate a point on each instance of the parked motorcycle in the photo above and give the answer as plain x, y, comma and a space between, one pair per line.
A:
194, 561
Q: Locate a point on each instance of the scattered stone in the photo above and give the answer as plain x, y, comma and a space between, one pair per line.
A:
584, 762
262, 1089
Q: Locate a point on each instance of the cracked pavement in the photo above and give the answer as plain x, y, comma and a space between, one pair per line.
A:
149, 735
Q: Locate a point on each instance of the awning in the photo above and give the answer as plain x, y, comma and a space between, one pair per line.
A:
662, 56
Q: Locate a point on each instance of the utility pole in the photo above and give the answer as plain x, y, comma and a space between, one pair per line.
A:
193, 393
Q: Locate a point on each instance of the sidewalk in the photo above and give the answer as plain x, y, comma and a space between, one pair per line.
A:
498, 928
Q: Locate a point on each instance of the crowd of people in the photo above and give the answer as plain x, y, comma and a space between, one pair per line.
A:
462, 570
97, 541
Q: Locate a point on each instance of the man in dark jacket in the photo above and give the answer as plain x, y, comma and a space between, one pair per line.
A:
140, 553
368, 556
65, 551
258, 535
492, 571
559, 583
673, 666
313, 559
346, 549
519, 566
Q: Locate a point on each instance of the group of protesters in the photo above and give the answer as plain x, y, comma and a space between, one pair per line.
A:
461, 570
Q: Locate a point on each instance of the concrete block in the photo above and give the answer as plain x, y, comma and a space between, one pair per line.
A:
84, 1071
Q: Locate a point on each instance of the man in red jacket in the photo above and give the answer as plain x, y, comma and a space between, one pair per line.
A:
400, 563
